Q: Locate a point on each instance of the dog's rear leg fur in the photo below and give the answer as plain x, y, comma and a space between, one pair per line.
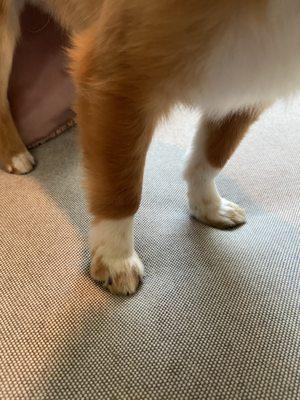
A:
14, 156
213, 145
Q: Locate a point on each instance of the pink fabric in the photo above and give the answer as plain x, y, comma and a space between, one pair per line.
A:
41, 92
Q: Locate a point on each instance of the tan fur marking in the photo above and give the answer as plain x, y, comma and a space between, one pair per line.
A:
114, 140
224, 136
10, 142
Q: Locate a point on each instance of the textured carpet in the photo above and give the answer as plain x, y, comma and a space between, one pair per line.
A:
218, 314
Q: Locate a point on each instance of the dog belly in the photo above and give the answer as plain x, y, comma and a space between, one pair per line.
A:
253, 63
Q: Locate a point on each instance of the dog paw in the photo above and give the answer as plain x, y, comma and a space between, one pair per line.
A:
223, 215
121, 276
20, 164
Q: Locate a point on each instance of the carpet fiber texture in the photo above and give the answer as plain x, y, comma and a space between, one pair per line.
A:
218, 314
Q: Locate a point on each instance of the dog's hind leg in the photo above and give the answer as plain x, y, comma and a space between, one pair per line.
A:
14, 157
213, 145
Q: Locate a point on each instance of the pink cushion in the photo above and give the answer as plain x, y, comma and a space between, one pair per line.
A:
41, 92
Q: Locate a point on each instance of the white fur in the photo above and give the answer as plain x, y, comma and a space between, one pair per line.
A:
22, 163
112, 242
204, 200
256, 61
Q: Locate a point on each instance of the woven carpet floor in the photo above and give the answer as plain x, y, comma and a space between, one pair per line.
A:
218, 314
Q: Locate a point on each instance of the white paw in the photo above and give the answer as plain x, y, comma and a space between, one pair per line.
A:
224, 214
120, 275
21, 163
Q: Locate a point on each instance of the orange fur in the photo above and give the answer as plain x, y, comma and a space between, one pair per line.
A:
224, 136
123, 63
126, 80
115, 136
131, 61
10, 142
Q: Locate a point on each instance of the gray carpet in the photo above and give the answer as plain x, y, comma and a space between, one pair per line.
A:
218, 314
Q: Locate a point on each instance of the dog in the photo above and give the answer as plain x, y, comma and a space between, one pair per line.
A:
132, 61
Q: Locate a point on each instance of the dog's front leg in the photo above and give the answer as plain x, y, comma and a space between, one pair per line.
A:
115, 134
14, 156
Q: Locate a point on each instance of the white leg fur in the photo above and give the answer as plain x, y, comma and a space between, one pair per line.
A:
21, 164
205, 203
15, 159
115, 261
